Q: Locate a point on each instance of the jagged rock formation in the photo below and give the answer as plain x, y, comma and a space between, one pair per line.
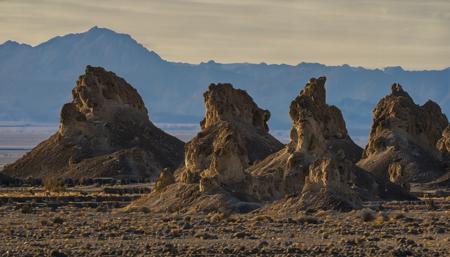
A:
104, 132
403, 138
234, 135
318, 166
443, 146
165, 179
328, 186
226, 169
320, 147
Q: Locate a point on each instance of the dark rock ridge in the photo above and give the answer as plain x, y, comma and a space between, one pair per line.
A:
234, 135
403, 139
4, 179
104, 132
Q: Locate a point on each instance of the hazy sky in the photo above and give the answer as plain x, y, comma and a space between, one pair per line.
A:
412, 33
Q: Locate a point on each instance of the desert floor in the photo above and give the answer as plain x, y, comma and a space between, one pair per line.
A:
95, 224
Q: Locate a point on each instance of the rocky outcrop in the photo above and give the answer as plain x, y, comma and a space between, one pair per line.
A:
317, 168
234, 135
328, 186
104, 132
318, 135
233, 164
165, 179
403, 138
443, 146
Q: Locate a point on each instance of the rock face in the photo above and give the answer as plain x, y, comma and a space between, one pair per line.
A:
104, 132
320, 151
403, 139
318, 166
234, 135
328, 186
233, 164
443, 146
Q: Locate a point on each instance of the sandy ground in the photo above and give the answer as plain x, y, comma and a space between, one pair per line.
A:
399, 229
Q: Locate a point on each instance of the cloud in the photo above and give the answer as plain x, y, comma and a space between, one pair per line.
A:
413, 33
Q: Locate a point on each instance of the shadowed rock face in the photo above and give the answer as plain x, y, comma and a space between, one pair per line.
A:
104, 132
4, 179
403, 138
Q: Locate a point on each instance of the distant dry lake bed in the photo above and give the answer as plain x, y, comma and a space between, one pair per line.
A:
16, 139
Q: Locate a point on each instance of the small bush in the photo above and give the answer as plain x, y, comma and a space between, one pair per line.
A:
145, 209
431, 205
27, 209
396, 216
54, 185
58, 220
308, 220
381, 218
367, 215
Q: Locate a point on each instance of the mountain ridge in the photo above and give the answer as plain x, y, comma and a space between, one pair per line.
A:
173, 90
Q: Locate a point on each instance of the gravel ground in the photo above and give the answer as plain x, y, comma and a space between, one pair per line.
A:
71, 231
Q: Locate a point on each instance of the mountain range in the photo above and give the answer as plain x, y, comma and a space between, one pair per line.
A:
36, 81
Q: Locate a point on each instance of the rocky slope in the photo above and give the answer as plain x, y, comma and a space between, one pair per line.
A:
234, 135
403, 139
104, 132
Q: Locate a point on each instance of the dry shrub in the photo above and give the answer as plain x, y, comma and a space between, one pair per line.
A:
54, 185
431, 205
380, 218
396, 215
367, 215
145, 209
308, 220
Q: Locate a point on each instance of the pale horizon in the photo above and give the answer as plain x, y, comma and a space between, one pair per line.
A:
410, 34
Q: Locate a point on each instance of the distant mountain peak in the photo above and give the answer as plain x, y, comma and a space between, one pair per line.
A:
99, 40
12, 43
101, 30
393, 69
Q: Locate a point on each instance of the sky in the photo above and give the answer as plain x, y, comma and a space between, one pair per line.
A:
414, 34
